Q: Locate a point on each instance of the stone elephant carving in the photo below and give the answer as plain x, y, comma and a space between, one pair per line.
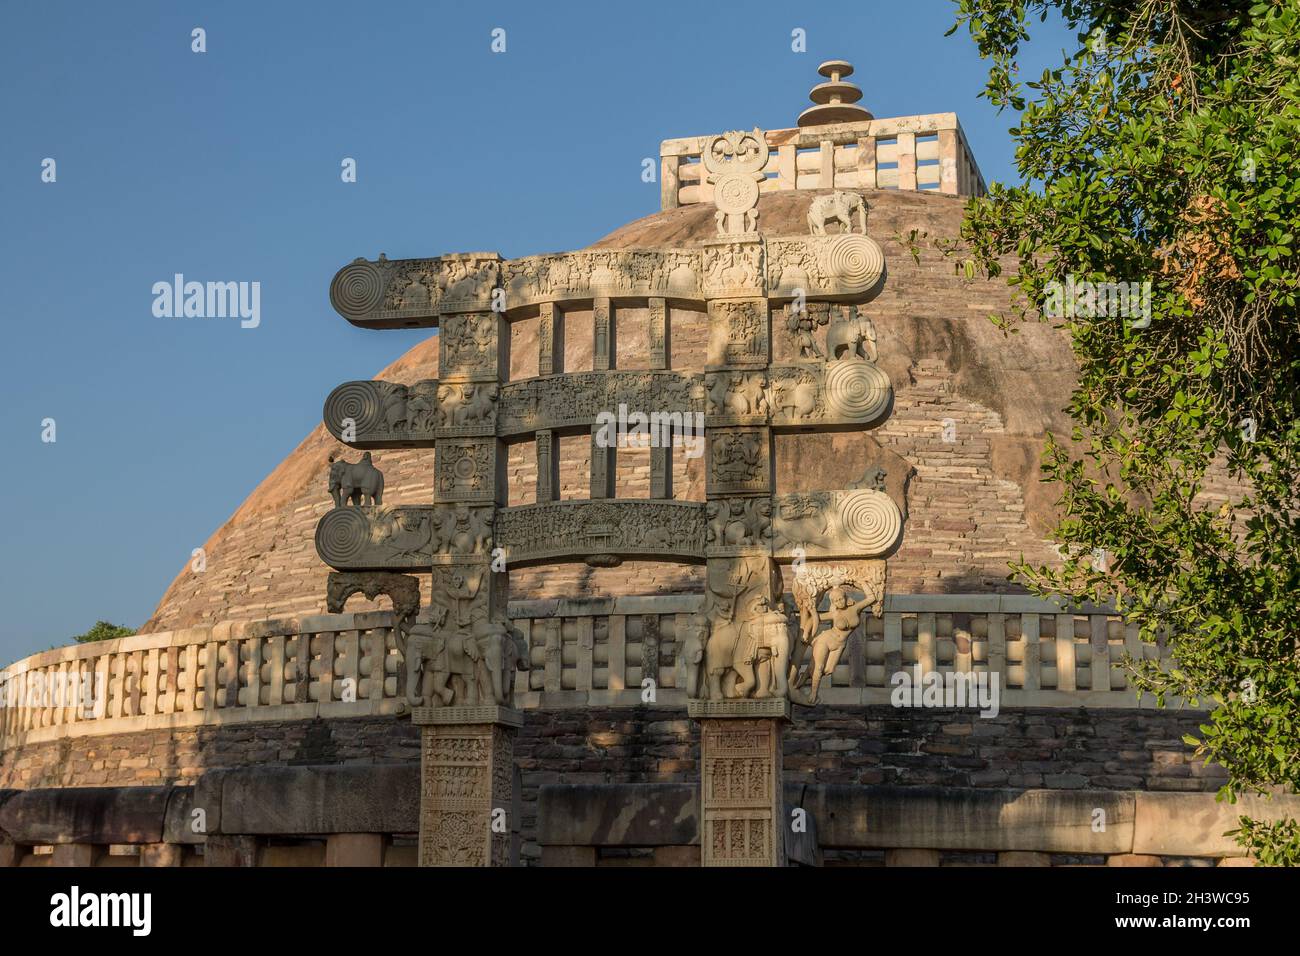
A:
837, 207
354, 482
749, 657
691, 654
853, 337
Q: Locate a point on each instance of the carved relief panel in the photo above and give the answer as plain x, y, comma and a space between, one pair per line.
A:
740, 461
468, 469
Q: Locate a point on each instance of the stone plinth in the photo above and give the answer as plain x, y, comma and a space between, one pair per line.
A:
740, 781
466, 769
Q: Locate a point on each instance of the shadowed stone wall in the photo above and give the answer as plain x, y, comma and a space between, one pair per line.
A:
1024, 749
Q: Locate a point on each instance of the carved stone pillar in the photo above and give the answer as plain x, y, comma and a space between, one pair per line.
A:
466, 781
660, 353
602, 463
547, 466
741, 781
602, 346
550, 340
661, 471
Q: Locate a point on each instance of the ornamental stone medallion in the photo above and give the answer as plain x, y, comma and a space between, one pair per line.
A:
751, 651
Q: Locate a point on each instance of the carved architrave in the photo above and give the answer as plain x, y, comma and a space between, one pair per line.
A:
588, 274
376, 414
739, 333
738, 526
733, 268
402, 292
466, 778
582, 529
840, 268
558, 401
845, 392
736, 397
740, 461
467, 469
470, 347
859, 523
376, 538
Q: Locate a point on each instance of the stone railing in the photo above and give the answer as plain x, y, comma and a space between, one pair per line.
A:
928, 152
581, 653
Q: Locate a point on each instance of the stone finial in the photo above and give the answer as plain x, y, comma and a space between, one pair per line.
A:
835, 101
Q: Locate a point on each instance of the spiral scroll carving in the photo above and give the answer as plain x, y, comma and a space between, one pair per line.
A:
853, 262
359, 401
357, 289
342, 537
870, 520
856, 391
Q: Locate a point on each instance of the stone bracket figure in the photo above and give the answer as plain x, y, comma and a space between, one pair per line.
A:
844, 616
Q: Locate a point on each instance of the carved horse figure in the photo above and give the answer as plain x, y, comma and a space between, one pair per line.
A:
837, 207
354, 482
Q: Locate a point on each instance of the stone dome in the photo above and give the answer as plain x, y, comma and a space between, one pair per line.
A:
971, 408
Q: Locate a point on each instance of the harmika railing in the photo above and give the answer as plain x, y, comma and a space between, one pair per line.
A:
595, 652
926, 152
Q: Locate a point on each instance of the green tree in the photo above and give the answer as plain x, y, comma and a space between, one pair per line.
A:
104, 631
1164, 149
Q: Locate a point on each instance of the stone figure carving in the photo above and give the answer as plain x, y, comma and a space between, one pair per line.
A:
694, 640
796, 393
738, 523
748, 656
852, 523
733, 161
811, 583
454, 666
748, 646
802, 325
469, 404
355, 482
837, 207
853, 337
464, 530
405, 533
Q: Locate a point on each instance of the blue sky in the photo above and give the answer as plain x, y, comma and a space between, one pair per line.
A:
225, 166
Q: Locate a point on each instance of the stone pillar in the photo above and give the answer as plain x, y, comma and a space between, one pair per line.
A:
660, 353
603, 332
906, 152
466, 778
602, 462
740, 781
949, 151
548, 472
550, 340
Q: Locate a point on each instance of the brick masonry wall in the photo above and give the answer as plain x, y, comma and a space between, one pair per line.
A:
1032, 748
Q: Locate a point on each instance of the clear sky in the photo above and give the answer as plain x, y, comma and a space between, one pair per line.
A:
225, 166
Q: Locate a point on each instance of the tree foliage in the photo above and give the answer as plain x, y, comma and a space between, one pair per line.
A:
104, 631
1164, 149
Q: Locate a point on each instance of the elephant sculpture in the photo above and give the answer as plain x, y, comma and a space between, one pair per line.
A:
852, 338
355, 482
691, 655
837, 207
749, 657
446, 668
